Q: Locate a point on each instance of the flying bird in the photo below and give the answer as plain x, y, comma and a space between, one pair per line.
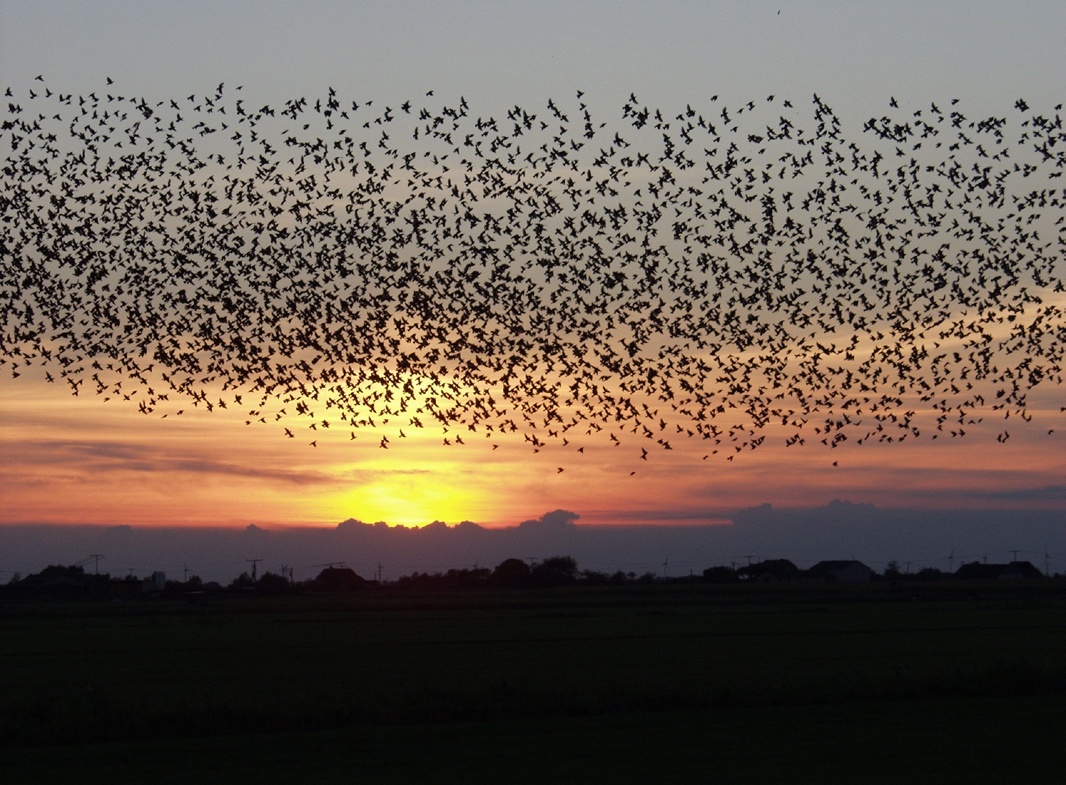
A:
728, 276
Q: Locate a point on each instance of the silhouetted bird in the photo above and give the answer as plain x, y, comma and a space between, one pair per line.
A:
714, 274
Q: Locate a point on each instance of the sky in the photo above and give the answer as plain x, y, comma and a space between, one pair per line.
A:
73, 460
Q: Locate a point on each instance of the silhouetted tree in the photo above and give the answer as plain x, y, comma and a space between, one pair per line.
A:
930, 574
466, 579
452, 579
511, 574
720, 574
593, 578
556, 571
272, 583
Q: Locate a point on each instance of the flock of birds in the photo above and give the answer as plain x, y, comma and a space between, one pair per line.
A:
714, 273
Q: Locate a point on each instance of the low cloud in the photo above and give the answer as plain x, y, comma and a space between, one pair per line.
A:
1047, 493
838, 530
683, 515
104, 457
556, 520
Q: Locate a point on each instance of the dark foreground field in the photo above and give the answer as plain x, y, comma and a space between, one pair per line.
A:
941, 683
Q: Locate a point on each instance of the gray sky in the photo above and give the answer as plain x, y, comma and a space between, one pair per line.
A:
854, 54
943, 540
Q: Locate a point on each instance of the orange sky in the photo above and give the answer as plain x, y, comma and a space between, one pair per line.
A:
78, 459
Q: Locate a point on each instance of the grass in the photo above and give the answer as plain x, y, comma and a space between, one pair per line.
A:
967, 740
613, 679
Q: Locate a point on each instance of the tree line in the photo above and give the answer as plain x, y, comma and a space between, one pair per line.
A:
511, 573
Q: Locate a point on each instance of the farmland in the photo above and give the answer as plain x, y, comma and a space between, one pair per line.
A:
749, 681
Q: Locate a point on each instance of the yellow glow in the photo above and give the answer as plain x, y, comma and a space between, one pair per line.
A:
410, 499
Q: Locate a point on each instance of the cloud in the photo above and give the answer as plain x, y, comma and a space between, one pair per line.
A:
364, 476
102, 457
1047, 493
216, 467
688, 515
558, 519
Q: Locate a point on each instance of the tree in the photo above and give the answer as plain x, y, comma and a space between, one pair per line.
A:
720, 574
511, 574
930, 574
272, 583
556, 571
594, 578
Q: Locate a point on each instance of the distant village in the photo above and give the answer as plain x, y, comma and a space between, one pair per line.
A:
75, 581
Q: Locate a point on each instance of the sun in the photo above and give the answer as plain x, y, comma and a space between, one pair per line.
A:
408, 498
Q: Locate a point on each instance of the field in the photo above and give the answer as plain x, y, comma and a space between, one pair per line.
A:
943, 682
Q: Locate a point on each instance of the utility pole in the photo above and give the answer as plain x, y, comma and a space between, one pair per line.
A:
96, 558
253, 562
1015, 554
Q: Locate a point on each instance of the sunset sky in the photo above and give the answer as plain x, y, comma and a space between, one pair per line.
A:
66, 459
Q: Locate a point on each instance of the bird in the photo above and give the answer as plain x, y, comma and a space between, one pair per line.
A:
535, 270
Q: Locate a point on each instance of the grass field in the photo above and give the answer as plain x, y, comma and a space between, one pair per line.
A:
751, 682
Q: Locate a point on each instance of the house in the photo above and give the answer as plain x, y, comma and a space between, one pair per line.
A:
849, 571
770, 570
59, 579
340, 579
1015, 570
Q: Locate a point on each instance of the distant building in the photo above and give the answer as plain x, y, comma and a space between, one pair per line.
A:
158, 582
841, 571
770, 570
340, 579
1015, 570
